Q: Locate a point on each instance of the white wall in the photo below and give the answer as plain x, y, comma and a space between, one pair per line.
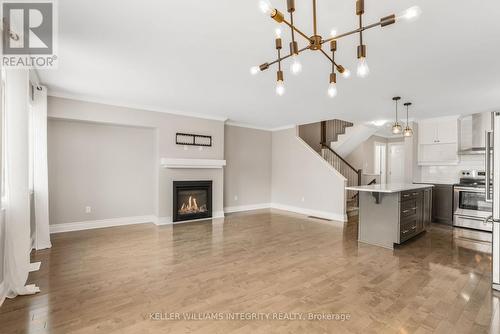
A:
247, 175
303, 181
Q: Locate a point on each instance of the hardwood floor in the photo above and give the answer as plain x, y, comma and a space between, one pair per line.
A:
130, 279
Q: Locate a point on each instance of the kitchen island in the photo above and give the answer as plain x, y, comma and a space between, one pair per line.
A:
393, 213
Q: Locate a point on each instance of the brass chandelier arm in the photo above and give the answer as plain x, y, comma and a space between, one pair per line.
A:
315, 24
287, 56
329, 58
295, 29
373, 25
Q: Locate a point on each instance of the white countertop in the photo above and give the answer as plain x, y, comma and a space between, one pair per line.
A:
390, 188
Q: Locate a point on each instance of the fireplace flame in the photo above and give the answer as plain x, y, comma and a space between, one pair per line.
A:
192, 207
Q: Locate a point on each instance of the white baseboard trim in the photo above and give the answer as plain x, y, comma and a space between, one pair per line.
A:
309, 212
161, 221
218, 214
93, 224
251, 207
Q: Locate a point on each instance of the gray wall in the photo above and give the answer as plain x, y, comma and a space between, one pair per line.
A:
301, 178
107, 167
311, 134
166, 126
247, 176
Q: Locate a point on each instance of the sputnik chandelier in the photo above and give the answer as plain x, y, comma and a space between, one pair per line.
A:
316, 41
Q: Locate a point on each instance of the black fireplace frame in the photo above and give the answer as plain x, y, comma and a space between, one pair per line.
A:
192, 185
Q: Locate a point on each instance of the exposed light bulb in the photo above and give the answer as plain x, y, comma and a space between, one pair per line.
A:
333, 32
280, 87
254, 70
346, 73
397, 128
363, 69
332, 90
265, 6
408, 132
278, 32
410, 14
296, 66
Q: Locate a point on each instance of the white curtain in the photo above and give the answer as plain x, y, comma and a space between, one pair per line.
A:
40, 167
16, 188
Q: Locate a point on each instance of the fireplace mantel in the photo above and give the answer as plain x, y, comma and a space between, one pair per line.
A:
192, 163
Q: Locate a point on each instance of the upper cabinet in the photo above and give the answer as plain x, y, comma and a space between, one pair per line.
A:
438, 140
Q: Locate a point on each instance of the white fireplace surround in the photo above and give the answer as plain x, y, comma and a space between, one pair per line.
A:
192, 163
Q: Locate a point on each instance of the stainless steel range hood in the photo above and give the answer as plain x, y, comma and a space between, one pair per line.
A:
473, 130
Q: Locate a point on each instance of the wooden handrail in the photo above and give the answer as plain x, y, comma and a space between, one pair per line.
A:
357, 171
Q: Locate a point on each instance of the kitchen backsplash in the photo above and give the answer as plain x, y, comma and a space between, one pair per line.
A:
449, 174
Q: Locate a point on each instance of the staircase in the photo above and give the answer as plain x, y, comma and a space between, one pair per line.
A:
353, 136
338, 139
330, 133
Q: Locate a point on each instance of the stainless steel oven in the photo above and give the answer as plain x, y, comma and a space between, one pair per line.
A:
471, 208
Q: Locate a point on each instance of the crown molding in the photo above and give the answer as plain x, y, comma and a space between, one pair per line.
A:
285, 127
250, 126
82, 98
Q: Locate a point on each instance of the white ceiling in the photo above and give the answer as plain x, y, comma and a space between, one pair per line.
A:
194, 57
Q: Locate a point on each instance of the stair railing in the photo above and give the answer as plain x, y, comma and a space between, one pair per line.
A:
352, 174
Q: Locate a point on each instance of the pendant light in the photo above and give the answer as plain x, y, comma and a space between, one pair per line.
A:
396, 127
408, 132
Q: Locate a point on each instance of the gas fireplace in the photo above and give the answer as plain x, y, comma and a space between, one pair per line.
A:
192, 200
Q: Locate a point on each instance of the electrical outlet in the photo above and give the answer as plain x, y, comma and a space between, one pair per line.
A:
88, 209
236, 197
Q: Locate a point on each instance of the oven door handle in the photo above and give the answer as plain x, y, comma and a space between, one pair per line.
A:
471, 190
488, 219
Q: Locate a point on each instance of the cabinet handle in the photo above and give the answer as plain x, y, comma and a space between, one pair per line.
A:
414, 228
414, 194
406, 211
406, 231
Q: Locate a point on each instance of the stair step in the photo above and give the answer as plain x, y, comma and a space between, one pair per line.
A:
352, 211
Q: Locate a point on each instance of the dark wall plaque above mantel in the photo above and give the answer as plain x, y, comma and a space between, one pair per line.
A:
192, 139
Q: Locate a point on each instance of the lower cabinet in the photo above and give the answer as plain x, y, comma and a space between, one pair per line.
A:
415, 213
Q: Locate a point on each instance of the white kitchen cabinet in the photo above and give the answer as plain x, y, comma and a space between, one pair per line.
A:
427, 133
443, 130
438, 140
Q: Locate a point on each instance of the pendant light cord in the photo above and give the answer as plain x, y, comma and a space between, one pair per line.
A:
397, 111
407, 119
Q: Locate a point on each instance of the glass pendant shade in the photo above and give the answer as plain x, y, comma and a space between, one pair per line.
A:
397, 128
408, 132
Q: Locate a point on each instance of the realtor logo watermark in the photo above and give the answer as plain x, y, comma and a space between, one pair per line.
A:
29, 38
